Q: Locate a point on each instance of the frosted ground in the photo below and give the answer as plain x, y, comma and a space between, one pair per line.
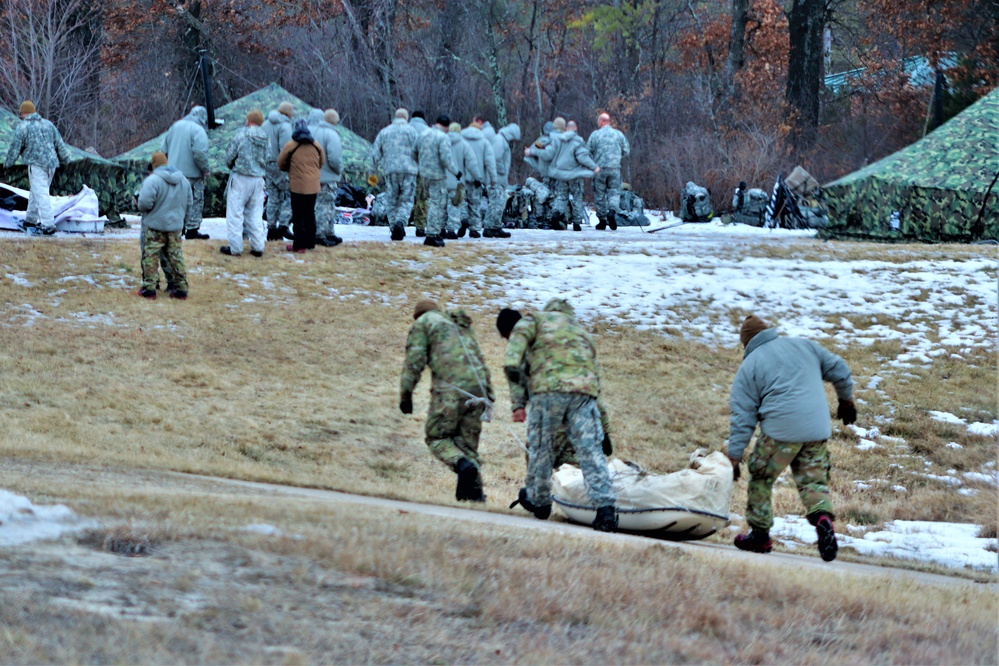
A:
696, 281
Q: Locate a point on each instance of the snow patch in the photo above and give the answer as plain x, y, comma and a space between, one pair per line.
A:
22, 522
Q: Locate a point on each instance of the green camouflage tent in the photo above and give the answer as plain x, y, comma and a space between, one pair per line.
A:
941, 188
355, 149
113, 182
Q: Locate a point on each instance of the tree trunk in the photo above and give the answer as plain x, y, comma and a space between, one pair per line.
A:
806, 25
737, 41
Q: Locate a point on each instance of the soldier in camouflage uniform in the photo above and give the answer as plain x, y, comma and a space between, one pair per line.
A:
164, 201
564, 387
460, 391
461, 154
435, 160
394, 153
607, 146
186, 146
39, 145
246, 156
328, 138
483, 175
498, 191
562, 451
278, 130
779, 384
544, 186
418, 217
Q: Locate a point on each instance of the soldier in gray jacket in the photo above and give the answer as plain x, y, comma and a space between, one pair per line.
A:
434, 155
497, 193
608, 146
38, 144
394, 153
779, 385
278, 130
246, 156
485, 174
568, 160
164, 201
328, 138
186, 146
462, 156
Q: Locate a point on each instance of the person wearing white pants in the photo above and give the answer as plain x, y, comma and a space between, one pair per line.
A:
246, 155
39, 201
38, 144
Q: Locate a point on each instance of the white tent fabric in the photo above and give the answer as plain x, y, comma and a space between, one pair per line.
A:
79, 213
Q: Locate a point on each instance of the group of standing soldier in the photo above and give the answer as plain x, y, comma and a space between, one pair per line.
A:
552, 371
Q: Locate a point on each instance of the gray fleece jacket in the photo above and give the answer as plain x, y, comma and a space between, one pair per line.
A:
501, 151
568, 157
186, 143
779, 385
484, 169
327, 136
164, 199
278, 130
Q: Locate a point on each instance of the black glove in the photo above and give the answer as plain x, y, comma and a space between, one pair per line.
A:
608, 447
477, 184
406, 404
458, 176
512, 374
736, 470
847, 412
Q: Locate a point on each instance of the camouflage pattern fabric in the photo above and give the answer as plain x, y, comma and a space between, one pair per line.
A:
394, 150
164, 263
473, 207
607, 191
36, 142
579, 415
695, 204
452, 428
560, 352
497, 205
809, 463
752, 208
447, 343
436, 205
400, 191
937, 189
278, 197
418, 216
196, 212
356, 163
168, 243
454, 211
326, 210
577, 207
246, 154
608, 146
632, 209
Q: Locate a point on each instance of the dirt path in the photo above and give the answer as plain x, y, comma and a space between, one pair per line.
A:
550, 526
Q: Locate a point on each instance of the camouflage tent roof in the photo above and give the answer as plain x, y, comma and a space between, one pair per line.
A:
113, 182
355, 149
941, 188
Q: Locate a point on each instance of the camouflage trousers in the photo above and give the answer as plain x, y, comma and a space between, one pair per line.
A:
580, 417
607, 192
419, 215
568, 200
562, 451
453, 428
400, 193
809, 463
497, 204
164, 263
473, 207
436, 206
196, 212
166, 243
326, 210
454, 213
39, 213
278, 197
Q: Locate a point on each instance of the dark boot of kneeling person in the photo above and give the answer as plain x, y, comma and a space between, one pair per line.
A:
469, 486
540, 512
606, 520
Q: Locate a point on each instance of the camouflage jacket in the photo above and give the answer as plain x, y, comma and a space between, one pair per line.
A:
395, 149
558, 350
447, 343
186, 144
38, 143
520, 395
608, 147
433, 152
246, 154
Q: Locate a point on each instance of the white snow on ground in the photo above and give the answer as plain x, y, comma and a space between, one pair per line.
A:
949, 544
981, 429
21, 521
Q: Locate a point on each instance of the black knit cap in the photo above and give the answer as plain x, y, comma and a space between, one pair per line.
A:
443, 120
506, 320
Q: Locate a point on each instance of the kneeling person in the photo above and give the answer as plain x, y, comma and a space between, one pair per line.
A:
460, 390
564, 387
164, 201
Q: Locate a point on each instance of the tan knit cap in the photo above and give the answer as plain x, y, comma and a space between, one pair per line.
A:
286, 108
402, 114
454, 127
559, 123
157, 160
423, 306
27, 107
750, 328
332, 117
255, 117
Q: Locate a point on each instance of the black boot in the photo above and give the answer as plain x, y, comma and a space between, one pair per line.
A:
420, 233
557, 221
495, 233
606, 520
285, 233
468, 474
612, 220
450, 235
828, 547
462, 229
434, 241
273, 234
194, 234
540, 512
398, 233
474, 234
601, 224
576, 227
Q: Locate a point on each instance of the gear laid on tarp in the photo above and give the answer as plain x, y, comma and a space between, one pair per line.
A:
356, 162
692, 503
113, 183
790, 210
944, 187
79, 213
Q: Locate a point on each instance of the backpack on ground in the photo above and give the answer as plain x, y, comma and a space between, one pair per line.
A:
749, 206
695, 204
